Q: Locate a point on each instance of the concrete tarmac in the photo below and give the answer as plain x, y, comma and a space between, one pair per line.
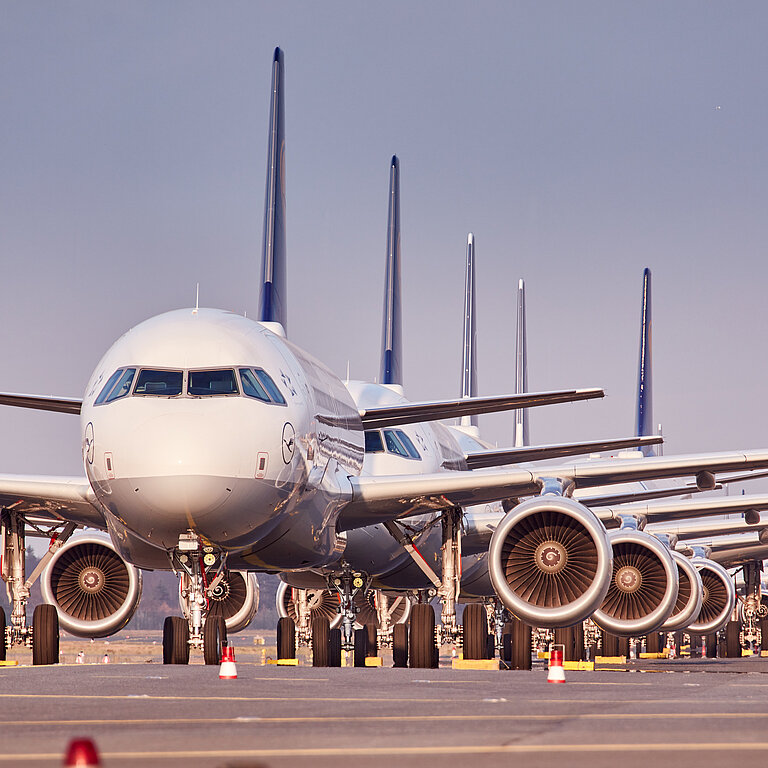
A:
686, 713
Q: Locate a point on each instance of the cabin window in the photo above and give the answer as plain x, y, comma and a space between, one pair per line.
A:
108, 386
209, 383
373, 443
408, 444
258, 383
159, 383
119, 385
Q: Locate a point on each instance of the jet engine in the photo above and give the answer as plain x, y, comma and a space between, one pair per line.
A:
320, 603
689, 595
235, 599
718, 599
94, 590
643, 588
550, 561
398, 607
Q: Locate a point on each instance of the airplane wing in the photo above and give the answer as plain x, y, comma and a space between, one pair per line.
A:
380, 498
496, 458
42, 403
54, 498
409, 413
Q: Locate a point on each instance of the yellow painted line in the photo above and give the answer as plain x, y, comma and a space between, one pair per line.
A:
754, 746
224, 697
251, 720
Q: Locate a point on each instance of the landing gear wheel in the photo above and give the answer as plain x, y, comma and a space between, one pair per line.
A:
361, 647
764, 634
400, 645
422, 640
175, 640
475, 626
521, 646
321, 628
286, 638
613, 645
507, 643
711, 644
373, 640
2, 635
732, 639
45, 635
573, 640
653, 642
334, 647
214, 639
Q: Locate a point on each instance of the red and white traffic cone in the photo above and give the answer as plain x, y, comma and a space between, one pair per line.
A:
556, 671
82, 752
227, 670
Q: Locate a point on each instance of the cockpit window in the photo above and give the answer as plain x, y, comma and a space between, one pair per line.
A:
119, 385
258, 383
159, 383
408, 444
205, 383
373, 442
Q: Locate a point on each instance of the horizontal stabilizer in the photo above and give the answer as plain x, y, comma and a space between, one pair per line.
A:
409, 413
496, 458
42, 403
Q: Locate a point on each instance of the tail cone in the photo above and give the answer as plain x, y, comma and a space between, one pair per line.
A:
82, 752
228, 670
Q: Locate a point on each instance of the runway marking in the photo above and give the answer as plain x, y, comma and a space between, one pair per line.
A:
249, 720
760, 746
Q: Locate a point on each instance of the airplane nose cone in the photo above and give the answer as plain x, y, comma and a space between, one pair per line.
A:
192, 496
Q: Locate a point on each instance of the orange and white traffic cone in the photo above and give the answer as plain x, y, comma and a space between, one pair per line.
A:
82, 752
227, 670
556, 671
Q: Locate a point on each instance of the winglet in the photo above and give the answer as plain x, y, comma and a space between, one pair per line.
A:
273, 295
391, 337
522, 437
469, 358
644, 425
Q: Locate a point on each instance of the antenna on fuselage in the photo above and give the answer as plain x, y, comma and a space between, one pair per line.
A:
644, 423
391, 337
197, 299
522, 438
273, 297
469, 355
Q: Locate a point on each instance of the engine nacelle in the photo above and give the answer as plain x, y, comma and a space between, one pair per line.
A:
550, 562
320, 603
94, 590
643, 587
689, 595
718, 600
235, 599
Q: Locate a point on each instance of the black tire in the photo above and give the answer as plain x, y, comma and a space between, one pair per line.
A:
321, 628
490, 646
168, 640
613, 645
180, 648
400, 645
764, 634
334, 648
214, 639
521, 646
421, 650
2, 635
711, 646
361, 647
572, 639
286, 638
732, 639
45, 635
475, 625
507, 640
373, 640
654, 642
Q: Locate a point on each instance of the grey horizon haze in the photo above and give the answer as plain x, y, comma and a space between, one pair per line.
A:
580, 142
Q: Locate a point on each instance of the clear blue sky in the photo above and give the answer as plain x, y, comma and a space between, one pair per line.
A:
579, 141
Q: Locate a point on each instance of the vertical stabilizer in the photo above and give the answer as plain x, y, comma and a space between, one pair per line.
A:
391, 337
273, 296
644, 425
469, 357
522, 437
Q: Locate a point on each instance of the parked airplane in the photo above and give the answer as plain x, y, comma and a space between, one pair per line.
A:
211, 445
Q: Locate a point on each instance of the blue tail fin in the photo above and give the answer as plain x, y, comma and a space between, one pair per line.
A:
644, 425
391, 337
273, 296
469, 358
522, 438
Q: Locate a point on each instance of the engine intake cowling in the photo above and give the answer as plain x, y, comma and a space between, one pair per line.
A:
320, 603
689, 595
550, 561
643, 587
718, 599
235, 599
94, 590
